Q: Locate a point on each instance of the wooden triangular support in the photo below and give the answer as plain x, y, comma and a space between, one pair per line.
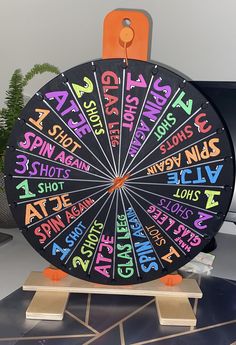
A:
50, 299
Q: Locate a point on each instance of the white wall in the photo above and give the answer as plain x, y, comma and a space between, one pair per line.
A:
196, 37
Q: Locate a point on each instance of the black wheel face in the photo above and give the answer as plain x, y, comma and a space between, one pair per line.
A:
119, 174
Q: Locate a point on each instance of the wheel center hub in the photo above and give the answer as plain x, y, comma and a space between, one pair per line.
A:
118, 182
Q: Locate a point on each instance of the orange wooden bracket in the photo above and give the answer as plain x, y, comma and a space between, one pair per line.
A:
126, 35
171, 279
54, 273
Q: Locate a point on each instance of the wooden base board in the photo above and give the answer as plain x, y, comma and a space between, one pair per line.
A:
175, 311
51, 297
47, 305
38, 282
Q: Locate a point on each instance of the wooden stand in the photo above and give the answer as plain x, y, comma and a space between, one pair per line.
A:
50, 299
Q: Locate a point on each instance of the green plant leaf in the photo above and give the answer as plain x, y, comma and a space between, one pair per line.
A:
14, 99
15, 102
39, 69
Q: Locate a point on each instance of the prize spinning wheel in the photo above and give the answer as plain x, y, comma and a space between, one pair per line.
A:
119, 174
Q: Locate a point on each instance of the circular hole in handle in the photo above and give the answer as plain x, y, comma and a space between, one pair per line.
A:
126, 22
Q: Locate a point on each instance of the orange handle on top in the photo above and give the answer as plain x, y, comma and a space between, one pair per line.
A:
126, 35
